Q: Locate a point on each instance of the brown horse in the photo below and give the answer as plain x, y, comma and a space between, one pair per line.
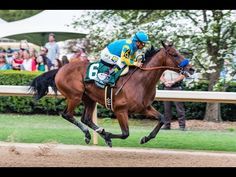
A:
136, 96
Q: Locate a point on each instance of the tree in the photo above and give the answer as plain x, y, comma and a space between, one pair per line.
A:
208, 34
215, 43
13, 15
107, 25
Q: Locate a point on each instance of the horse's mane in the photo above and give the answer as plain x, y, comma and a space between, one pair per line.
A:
149, 53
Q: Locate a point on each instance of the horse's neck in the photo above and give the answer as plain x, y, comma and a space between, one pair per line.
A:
150, 78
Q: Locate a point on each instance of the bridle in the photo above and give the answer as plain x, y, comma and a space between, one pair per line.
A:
179, 69
166, 67
173, 58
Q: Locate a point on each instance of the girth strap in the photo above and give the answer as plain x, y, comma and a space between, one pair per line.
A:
109, 97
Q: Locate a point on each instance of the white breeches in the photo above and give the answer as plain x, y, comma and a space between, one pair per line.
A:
110, 58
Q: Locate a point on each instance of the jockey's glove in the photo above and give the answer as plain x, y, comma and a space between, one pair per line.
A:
138, 64
140, 57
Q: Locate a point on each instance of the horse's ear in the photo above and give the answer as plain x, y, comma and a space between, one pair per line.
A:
152, 47
163, 44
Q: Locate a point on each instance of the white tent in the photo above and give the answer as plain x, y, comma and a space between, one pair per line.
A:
35, 29
2, 21
5, 41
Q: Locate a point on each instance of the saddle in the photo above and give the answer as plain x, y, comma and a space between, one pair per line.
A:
98, 72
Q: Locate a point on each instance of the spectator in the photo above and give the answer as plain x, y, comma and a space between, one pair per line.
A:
29, 64
21, 53
3, 63
33, 53
9, 50
57, 64
84, 57
53, 48
64, 60
24, 45
9, 56
79, 54
3, 53
173, 81
43, 62
76, 51
41, 65
17, 61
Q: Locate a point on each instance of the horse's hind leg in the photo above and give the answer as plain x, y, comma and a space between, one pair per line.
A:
87, 119
68, 114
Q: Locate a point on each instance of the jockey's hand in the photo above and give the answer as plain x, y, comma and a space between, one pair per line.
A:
139, 64
140, 57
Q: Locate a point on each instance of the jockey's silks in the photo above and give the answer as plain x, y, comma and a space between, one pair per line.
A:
125, 49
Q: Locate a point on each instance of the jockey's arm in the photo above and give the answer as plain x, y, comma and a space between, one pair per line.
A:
126, 57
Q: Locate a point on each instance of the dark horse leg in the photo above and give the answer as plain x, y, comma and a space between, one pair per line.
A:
54, 78
152, 113
123, 121
87, 119
68, 115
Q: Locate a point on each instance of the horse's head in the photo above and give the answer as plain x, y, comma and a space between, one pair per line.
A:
175, 59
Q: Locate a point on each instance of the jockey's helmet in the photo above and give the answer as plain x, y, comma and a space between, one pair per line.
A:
141, 37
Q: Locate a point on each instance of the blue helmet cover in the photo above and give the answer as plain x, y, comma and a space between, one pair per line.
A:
141, 37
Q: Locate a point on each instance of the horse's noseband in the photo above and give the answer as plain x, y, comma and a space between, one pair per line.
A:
175, 57
184, 63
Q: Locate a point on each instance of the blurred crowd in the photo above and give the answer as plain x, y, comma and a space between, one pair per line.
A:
47, 58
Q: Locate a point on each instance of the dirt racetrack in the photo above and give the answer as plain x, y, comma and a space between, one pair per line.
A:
58, 155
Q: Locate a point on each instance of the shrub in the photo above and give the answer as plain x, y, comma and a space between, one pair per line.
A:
26, 105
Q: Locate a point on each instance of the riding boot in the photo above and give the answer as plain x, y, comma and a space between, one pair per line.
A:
115, 69
111, 72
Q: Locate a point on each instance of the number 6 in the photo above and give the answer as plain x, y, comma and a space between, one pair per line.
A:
93, 71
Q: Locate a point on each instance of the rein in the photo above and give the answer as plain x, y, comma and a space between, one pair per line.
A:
159, 67
163, 67
146, 69
150, 69
125, 81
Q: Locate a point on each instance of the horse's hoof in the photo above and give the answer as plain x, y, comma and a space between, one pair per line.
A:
109, 143
144, 140
87, 138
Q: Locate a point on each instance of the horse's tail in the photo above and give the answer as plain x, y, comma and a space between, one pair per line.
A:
40, 84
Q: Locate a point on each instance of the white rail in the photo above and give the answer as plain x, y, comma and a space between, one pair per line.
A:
162, 95
196, 96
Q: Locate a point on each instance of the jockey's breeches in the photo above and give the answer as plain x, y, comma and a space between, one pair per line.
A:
108, 57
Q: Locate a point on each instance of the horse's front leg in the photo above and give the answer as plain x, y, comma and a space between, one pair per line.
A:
124, 125
122, 117
152, 113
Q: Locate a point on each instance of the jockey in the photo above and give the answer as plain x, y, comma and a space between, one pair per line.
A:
121, 53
